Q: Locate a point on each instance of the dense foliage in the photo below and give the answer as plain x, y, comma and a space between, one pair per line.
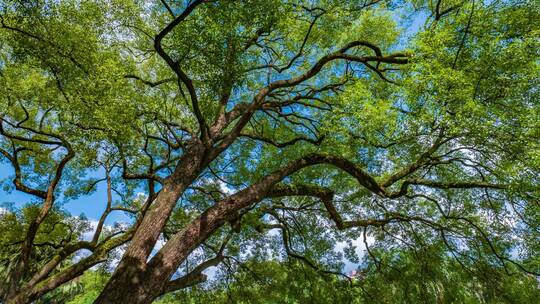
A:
256, 146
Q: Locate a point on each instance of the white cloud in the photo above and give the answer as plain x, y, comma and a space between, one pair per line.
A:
210, 272
225, 188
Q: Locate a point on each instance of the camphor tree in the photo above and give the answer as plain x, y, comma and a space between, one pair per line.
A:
268, 130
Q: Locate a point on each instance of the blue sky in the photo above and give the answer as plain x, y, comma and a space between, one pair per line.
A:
90, 205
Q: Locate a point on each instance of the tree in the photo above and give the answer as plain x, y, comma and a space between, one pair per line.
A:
320, 121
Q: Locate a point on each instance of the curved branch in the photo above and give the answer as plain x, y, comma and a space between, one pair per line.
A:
175, 65
17, 181
283, 144
150, 83
443, 185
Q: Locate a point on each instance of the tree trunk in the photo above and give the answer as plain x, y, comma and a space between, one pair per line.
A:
145, 286
130, 272
148, 285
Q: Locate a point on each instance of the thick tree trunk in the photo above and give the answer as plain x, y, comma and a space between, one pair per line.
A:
147, 285
130, 272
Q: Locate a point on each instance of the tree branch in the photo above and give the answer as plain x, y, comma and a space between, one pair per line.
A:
443, 185
175, 65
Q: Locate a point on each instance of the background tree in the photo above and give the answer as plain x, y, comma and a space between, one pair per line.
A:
270, 129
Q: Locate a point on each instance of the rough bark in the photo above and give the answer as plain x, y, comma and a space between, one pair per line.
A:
131, 269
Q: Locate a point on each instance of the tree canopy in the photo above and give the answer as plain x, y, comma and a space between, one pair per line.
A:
247, 140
